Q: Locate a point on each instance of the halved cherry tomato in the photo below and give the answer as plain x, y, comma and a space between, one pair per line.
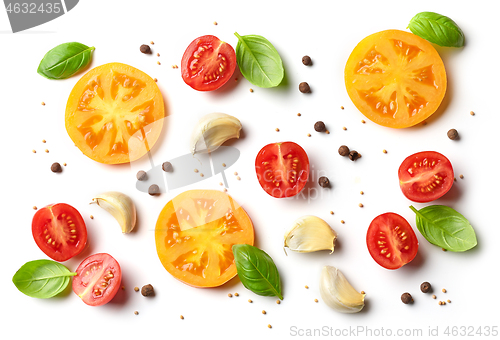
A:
59, 231
98, 279
208, 63
395, 78
282, 169
195, 233
391, 241
425, 176
115, 113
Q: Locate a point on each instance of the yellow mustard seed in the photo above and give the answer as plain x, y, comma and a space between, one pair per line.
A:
278, 302
34, 207
264, 312
91, 217
230, 295
269, 326
182, 317
251, 90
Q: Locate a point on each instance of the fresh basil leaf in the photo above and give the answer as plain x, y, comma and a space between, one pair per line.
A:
258, 60
65, 60
437, 29
42, 278
445, 228
257, 270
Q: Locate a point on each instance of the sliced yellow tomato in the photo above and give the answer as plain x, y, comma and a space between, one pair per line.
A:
395, 78
115, 113
195, 233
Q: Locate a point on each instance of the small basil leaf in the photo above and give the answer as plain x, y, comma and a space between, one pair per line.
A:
65, 60
257, 270
42, 278
258, 60
437, 29
445, 228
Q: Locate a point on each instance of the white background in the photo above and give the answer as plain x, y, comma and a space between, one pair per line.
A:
325, 30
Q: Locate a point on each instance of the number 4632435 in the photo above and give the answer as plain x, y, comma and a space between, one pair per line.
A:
471, 331
32, 8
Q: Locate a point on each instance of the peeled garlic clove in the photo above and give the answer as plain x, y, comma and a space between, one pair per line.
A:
120, 206
213, 130
338, 293
310, 233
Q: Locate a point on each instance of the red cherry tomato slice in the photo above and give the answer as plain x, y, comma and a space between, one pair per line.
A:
282, 169
98, 279
425, 176
59, 231
391, 241
208, 63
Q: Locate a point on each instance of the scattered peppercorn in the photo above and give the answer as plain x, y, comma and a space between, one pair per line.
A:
452, 134
425, 287
154, 190
406, 298
319, 126
324, 182
306, 60
136, 289
147, 290
343, 150
167, 167
141, 175
353, 155
304, 87
56, 167
145, 49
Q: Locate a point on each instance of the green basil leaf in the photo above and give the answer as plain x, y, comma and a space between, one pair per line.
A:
258, 60
257, 270
445, 228
65, 60
437, 29
42, 278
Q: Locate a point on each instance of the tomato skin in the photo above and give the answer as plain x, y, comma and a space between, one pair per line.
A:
59, 231
98, 279
391, 241
425, 176
208, 63
282, 169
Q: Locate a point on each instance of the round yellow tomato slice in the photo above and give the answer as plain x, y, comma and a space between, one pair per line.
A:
115, 113
395, 78
195, 233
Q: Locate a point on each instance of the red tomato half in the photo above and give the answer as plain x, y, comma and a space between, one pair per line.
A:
59, 231
391, 241
425, 176
208, 63
98, 279
282, 169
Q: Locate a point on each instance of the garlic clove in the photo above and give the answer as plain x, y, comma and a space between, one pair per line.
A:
310, 233
213, 130
338, 293
120, 206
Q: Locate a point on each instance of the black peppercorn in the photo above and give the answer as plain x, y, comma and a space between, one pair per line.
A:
425, 287
141, 175
145, 49
343, 150
56, 167
147, 290
453, 134
306, 60
154, 190
304, 87
353, 155
319, 126
167, 167
324, 182
406, 298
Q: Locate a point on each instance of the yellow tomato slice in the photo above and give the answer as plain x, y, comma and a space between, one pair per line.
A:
115, 113
195, 233
395, 78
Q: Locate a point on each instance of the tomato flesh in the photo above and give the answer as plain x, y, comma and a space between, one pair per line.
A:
391, 241
282, 169
98, 279
208, 63
59, 231
425, 176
